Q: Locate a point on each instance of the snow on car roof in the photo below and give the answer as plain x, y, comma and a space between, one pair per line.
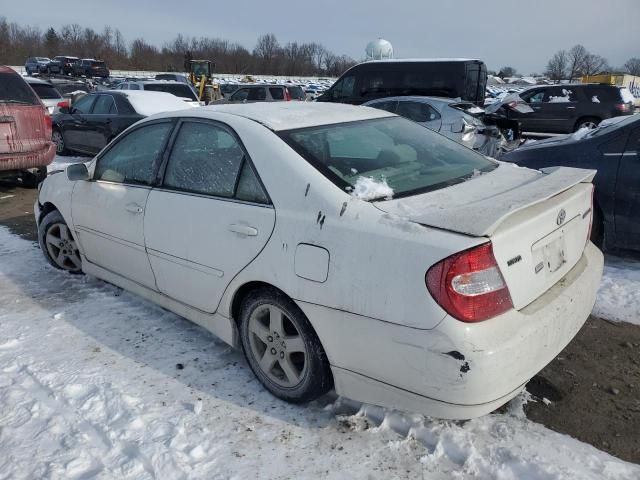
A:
289, 115
396, 60
149, 103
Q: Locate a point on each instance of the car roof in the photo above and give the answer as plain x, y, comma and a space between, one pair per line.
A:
419, 60
279, 116
5, 69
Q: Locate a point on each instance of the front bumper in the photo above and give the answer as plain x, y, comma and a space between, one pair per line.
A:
456, 370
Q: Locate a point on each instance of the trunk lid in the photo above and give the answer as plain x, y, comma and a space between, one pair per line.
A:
23, 129
538, 222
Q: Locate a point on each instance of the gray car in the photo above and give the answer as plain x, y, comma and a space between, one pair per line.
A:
37, 65
179, 89
455, 119
264, 93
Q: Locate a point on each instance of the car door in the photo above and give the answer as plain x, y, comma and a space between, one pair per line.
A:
100, 122
108, 211
530, 122
75, 124
209, 218
557, 113
627, 194
239, 96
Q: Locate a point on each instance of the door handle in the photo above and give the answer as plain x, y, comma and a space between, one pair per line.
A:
243, 230
134, 208
571, 108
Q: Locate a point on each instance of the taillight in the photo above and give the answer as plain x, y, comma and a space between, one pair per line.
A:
48, 123
287, 95
469, 285
622, 107
64, 104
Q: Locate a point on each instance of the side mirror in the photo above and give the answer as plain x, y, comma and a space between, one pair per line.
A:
77, 171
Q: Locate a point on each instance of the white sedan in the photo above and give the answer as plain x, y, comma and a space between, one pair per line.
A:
340, 247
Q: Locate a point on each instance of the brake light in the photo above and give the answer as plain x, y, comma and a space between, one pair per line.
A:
63, 104
287, 95
48, 123
469, 285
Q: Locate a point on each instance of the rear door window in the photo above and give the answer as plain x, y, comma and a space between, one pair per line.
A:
417, 111
257, 94
387, 106
13, 89
276, 93
205, 159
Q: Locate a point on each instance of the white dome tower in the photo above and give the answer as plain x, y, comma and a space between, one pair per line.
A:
379, 49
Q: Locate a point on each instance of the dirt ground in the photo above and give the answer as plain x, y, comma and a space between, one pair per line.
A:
593, 385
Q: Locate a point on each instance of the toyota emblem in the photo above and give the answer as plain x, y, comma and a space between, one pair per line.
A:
561, 216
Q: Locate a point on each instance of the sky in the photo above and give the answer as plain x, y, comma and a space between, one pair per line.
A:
500, 32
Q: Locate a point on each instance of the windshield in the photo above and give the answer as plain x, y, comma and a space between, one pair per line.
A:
177, 89
393, 152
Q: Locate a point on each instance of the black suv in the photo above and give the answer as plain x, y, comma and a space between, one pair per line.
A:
568, 108
62, 64
90, 68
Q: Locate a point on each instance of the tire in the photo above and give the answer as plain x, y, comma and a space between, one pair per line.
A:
589, 122
32, 180
597, 228
57, 243
291, 345
58, 139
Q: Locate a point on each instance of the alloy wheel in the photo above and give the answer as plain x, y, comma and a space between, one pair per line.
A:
277, 346
62, 248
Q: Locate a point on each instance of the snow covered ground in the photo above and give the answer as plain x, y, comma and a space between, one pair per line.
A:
97, 383
619, 294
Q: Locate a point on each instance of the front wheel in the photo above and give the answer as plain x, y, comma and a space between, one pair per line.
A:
282, 348
58, 139
57, 243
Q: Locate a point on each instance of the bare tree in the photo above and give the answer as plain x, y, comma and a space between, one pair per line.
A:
557, 66
594, 64
633, 66
507, 72
576, 58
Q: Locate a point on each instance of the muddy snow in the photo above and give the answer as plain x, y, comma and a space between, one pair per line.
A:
97, 383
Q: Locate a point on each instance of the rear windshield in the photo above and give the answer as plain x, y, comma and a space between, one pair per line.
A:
177, 89
14, 89
393, 152
45, 91
296, 93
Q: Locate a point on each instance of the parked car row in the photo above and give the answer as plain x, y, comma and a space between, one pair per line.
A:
65, 65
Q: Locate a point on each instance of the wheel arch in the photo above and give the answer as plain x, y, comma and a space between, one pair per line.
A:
586, 117
241, 293
45, 209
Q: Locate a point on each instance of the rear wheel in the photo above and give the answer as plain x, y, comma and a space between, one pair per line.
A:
587, 122
57, 243
282, 348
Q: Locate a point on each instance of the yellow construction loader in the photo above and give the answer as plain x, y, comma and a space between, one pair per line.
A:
200, 73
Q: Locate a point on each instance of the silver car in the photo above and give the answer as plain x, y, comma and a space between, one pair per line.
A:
452, 118
47, 93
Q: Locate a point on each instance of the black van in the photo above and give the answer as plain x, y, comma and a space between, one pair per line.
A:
452, 78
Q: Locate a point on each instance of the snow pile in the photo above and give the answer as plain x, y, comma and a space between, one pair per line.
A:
581, 133
627, 96
564, 99
96, 383
619, 294
367, 188
150, 103
595, 99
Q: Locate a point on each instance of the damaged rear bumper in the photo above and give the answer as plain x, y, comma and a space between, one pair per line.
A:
456, 370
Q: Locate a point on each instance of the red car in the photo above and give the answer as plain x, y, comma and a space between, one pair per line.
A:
25, 131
